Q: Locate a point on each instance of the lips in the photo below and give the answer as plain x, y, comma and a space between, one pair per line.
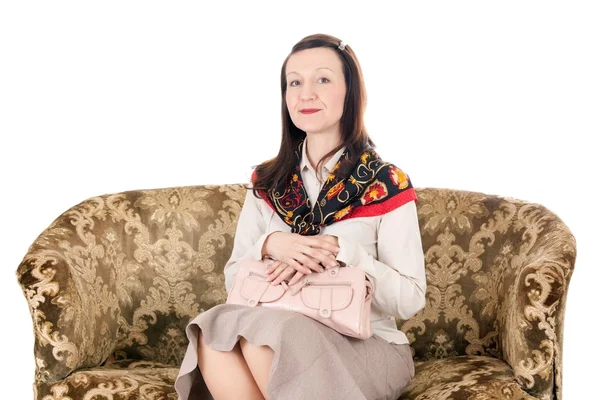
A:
309, 110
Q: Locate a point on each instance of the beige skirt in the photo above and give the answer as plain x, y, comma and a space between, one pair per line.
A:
311, 360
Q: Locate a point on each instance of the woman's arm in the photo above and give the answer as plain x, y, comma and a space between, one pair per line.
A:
249, 237
398, 275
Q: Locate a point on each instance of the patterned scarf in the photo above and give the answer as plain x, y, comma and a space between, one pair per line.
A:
374, 187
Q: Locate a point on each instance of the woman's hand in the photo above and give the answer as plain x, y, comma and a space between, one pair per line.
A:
302, 253
280, 272
332, 239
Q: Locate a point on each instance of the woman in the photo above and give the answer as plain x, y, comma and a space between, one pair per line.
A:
365, 217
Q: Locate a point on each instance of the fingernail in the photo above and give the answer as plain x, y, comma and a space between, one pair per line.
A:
273, 283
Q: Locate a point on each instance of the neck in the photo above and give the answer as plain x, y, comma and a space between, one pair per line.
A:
317, 145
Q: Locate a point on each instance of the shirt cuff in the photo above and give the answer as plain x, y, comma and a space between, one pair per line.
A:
349, 251
353, 254
255, 252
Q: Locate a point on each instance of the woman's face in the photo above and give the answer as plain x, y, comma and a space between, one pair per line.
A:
315, 80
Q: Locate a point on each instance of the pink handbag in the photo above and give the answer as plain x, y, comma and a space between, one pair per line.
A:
339, 297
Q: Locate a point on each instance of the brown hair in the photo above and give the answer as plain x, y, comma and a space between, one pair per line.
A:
354, 136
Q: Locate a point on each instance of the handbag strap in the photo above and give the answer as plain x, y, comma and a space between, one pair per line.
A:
325, 304
261, 288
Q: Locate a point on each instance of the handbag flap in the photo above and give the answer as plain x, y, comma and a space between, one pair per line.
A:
340, 296
251, 284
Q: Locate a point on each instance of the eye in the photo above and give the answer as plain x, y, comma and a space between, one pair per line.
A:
292, 82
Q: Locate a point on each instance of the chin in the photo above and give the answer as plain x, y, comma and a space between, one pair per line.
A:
310, 128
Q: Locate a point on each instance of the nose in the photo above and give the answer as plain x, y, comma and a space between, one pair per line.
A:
308, 92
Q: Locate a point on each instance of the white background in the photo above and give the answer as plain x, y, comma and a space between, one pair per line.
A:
103, 97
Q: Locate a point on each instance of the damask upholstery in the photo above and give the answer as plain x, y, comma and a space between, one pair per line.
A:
113, 281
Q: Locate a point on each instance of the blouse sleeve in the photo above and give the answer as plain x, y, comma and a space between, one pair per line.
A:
249, 237
398, 273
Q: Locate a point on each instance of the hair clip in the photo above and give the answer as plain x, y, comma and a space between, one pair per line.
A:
342, 45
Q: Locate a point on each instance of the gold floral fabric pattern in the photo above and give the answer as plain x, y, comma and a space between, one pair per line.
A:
464, 377
123, 380
497, 274
113, 281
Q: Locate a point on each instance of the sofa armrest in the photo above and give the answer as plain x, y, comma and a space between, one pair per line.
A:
73, 302
532, 308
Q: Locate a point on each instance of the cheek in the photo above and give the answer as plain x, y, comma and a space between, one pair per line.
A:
335, 98
290, 101
338, 100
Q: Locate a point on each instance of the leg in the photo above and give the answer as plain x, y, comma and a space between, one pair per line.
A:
226, 373
259, 360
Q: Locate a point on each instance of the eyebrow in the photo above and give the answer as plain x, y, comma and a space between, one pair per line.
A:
294, 72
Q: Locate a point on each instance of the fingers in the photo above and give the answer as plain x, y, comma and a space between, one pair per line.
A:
275, 265
307, 260
309, 254
272, 267
333, 261
289, 271
286, 273
326, 258
310, 258
296, 278
273, 273
325, 242
329, 238
298, 266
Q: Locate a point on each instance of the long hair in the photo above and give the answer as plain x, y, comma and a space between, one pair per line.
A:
354, 136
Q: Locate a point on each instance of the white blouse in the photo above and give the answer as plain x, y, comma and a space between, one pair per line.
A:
387, 247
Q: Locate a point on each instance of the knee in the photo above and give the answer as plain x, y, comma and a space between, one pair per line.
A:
297, 322
243, 344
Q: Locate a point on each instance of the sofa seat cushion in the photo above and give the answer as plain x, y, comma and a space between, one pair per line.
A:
121, 380
465, 378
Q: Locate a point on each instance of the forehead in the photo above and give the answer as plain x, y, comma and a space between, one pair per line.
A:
306, 61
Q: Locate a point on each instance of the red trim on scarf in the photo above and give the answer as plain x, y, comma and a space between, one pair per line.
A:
263, 194
266, 199
371, 210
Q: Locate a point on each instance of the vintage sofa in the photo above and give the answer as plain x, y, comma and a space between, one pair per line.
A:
113, 281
